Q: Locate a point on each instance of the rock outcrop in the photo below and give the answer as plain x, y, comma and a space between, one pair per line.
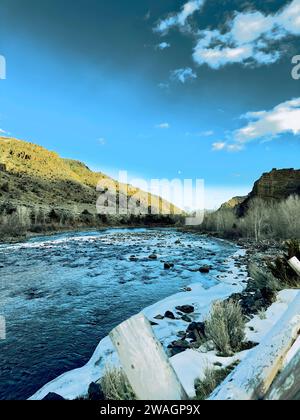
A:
276, 185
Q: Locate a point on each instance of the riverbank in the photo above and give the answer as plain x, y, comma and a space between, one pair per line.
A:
171, 319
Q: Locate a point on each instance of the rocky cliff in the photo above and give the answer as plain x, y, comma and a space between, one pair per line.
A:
276, 185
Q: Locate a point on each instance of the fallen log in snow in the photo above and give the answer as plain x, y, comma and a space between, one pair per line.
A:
145, 362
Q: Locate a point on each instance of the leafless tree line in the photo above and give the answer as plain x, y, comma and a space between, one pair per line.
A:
263, 220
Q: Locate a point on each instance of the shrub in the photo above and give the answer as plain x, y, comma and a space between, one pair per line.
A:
263, 279
212, 379
225, 326
115, 385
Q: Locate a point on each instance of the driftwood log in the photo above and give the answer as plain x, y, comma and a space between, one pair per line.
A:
145, 362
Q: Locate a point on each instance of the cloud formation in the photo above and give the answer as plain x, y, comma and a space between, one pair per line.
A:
282, 119
183, 75
179, 19
250, 38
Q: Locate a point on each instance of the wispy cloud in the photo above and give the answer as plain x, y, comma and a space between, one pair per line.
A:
218, 146
250, 38
3, 131
183, 75
163, 45
207, 133
101, 141
264, 125
163, 126
179, 19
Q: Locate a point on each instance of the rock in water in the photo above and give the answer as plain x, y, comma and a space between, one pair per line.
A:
168, 266
204, 270
152, 257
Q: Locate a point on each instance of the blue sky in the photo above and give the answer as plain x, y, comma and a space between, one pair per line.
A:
172, 89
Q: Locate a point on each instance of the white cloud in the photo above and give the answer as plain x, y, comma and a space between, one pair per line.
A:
163, 126
249, 39
163, 46
183, 75
102, 141
179, 19
284, 118
2, 131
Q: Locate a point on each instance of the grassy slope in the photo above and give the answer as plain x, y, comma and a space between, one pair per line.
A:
36, 176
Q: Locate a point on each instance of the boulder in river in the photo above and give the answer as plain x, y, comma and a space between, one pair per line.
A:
205, 269
168, 266
152, 257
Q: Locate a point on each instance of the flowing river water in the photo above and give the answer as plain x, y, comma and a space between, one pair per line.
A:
61, 295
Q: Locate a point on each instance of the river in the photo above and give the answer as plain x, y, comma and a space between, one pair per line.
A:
61, 295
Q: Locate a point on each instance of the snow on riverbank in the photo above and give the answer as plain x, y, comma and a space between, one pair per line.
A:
190, 364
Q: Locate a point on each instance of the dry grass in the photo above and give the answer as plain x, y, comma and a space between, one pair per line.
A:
115, 385
212, 379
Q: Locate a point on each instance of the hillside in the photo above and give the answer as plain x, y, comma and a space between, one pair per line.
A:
54, 191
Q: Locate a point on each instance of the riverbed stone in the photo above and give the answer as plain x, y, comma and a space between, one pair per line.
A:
186, 318
52, 396
152, 257
169, 315
186, 309
95, 392
205, 269
168, 266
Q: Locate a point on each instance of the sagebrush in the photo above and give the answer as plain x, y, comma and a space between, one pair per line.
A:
115, 385
225, 326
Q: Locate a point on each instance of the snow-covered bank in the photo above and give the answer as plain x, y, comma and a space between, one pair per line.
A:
75, 383
190, 364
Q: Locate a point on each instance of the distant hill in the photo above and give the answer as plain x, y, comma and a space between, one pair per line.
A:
43, 182
233, 203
